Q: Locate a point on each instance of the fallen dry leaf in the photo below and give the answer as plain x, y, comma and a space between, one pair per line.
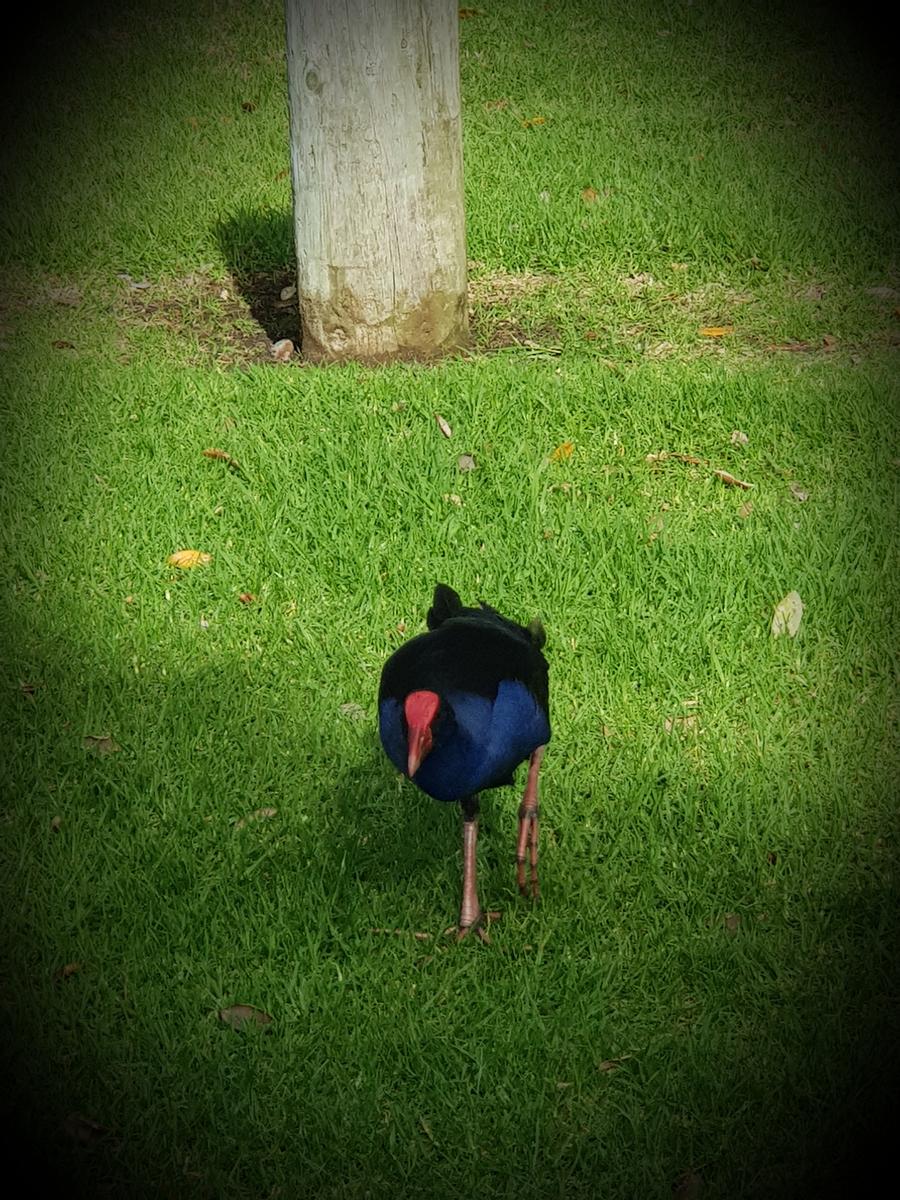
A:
443, 426
240, 1015
562, 452
787, 616
745, 510
612, 1064
66, 971
417, 934
355, 711
466, 462
186, 559
690, 722
223, 456
288, 293
261, 814
800, 494
590, 335
715, 331
495, 105
739, 438
101, 744
282, 350
452, 498
688, 1186
83, 1129
247, 598
468, 12
732, 923
732, 481
55, 824
529, 121
589, 195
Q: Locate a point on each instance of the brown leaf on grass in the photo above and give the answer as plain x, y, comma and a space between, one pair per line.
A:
663, 455
68, 296
745, 510
443, 426
612, 1064
729, 479
102, 743
715, 331
589, 195
688, 723
562, 451
800, 494
223, 456
530, 121
688, 1186
495, 105
417, 934
739, 438
354, 711
732, 922
261, 814
239, 1016
247, 598
635, 284
282, 350
788, 615
55, 824
187, 559
466, 462
590, 335
464, 13
83, 1130
66, 971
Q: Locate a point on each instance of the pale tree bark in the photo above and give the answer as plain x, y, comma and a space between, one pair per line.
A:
376, 157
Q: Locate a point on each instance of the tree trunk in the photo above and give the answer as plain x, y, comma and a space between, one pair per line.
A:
376, 158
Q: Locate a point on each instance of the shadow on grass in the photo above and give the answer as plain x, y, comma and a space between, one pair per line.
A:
258, 246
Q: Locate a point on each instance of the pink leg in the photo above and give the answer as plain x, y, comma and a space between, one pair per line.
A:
470, 914
528, 828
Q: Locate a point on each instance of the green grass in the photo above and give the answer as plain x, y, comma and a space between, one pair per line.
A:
709, 982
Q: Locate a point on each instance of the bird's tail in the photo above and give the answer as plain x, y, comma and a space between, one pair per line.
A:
446, 604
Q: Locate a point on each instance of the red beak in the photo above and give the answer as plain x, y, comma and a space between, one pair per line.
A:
420, 709
419, 745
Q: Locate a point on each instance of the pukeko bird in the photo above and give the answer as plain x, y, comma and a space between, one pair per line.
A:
459, 708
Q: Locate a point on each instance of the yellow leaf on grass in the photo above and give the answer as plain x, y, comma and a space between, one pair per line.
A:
589, 195
713, 331
529, 121
189, 558
787, 616
562, 451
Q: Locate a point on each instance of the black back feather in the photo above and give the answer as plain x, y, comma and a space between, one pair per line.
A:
469, 650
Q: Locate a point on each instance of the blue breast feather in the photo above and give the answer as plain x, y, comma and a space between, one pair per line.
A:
482, 746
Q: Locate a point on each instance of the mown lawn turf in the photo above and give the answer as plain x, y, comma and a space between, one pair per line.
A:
706, 994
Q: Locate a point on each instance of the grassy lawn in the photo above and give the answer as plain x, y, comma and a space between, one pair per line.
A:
196, 812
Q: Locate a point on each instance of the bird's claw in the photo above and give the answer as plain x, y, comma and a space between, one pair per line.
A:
480, 924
